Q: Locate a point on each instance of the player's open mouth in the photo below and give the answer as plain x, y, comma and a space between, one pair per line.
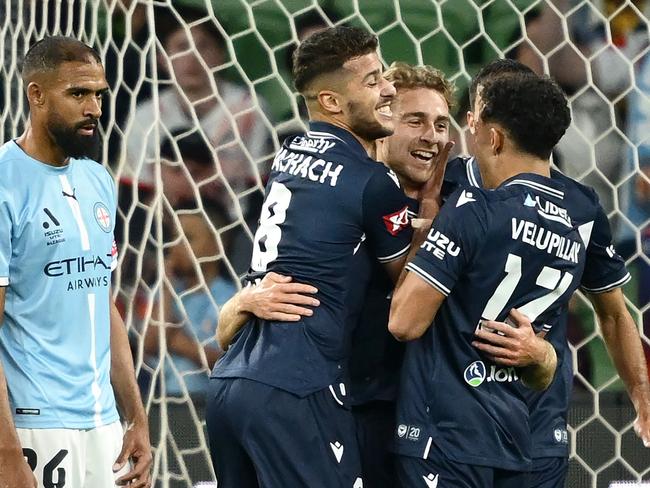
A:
422, 155
87, 130
385, 110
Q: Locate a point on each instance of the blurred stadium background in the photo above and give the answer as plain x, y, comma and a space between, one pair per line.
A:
200, 99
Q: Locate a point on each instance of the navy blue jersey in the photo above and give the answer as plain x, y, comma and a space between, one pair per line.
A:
604, 271
324, 196
375, 357
520, 246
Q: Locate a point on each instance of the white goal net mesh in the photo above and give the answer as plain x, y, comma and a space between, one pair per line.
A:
200, 98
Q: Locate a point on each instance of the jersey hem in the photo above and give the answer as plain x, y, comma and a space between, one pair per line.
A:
474, 461
550, 452
80, 425
4, 281
247, 374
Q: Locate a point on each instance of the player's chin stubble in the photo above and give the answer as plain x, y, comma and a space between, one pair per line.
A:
365, 125
72, 143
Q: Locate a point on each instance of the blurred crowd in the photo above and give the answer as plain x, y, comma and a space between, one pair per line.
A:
190, 139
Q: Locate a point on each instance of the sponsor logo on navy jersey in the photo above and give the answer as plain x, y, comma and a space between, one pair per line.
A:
398, 221
311, 144
549, 210
440, 245
476, 374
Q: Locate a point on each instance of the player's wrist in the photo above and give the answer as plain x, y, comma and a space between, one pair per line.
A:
543, 352
244, 300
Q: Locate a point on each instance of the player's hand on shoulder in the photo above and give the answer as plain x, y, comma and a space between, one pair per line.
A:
430, 195
277, 297
14, 470
511, 344
136, 448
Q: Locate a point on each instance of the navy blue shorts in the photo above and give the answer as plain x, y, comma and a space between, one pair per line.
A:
549, 472
375, 431
437, 470
262, 436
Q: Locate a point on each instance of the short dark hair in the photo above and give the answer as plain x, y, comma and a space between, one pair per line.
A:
50, 52
493, 69
532, 109
327, 50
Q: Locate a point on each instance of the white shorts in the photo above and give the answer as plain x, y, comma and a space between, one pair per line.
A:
73, 458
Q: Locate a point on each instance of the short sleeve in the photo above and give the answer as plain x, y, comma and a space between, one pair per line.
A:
604, 267
5, 241
455, 235
386, 219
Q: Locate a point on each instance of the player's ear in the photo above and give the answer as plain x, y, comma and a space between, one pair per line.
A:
497, 139
329, 101
35, 94
470, 122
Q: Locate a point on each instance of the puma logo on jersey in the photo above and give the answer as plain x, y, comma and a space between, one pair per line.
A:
70, 195
398, 221
440, 245
431, 480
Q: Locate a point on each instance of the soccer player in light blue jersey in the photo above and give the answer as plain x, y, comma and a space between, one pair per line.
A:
64, 354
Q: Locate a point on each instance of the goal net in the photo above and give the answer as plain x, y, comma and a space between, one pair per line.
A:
200, 99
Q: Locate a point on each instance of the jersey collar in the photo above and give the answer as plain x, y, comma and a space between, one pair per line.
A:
326, 130
473, 173
537, 182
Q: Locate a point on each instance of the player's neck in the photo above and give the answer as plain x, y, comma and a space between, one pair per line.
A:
369, 146
508, 166
410, 190
38, 144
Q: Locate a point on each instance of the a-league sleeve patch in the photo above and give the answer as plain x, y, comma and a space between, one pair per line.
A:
398, 221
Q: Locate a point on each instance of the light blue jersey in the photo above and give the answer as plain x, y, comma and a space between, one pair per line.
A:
56, 256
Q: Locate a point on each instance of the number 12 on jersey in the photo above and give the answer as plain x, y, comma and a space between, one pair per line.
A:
549, 278
269, 232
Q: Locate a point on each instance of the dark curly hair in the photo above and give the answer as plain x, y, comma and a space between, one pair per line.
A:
492, 70
532, 109
326, 51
